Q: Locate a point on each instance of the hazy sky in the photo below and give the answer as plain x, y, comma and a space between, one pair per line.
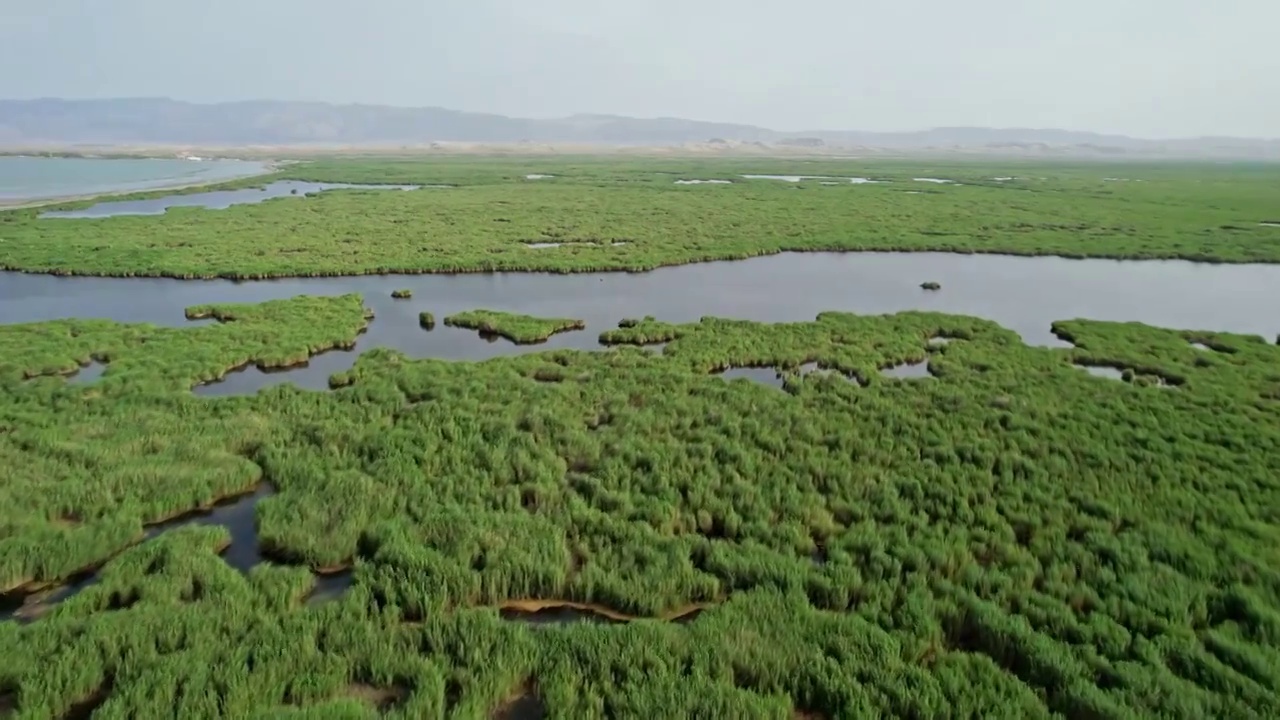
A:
1151, 68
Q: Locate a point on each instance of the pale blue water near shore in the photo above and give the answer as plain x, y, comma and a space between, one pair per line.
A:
38, 178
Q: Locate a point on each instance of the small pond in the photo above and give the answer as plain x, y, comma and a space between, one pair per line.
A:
88, 373
213, 199
907, 371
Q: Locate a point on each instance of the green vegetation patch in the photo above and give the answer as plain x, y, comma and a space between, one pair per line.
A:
522, 329
1014, 538
616, 214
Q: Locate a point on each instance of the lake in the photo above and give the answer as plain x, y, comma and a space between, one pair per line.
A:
1024, 294
42, 178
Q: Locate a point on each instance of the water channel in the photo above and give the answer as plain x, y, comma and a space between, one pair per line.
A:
1025, 294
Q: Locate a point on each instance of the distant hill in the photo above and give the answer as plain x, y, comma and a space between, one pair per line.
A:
158, 121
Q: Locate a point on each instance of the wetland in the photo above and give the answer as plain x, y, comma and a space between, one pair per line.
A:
304, 497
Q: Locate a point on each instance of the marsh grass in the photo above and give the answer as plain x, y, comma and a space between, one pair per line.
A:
627, 215
520, 329
1011, 538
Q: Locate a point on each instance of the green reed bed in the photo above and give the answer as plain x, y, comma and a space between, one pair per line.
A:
134, 448
520, 329
1016, 538
628, 215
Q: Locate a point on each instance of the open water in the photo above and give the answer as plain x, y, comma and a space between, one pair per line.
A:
38, 178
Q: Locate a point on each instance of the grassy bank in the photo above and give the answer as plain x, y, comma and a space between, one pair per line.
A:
1012, 538
629, 214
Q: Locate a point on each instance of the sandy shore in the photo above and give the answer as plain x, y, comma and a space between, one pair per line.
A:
18, 204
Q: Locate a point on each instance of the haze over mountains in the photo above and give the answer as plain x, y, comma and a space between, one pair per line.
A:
163, 122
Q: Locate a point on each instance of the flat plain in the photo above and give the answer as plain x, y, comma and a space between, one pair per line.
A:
622, 532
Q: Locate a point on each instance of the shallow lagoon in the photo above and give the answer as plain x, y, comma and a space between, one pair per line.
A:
36, 178
1025, 294
212, 200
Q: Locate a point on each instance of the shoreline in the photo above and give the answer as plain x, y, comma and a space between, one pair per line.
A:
268, 167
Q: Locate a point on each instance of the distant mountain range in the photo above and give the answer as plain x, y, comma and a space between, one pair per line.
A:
158, 121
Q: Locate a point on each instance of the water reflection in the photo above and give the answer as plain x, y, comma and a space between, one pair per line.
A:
907, 371
330, 587
765, 375
1103, 371
88, 373
238, 515
213, 200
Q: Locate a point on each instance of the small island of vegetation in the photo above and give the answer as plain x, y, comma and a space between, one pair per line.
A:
403, 294
520, 329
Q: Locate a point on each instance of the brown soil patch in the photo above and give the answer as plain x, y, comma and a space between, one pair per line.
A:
533, 606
